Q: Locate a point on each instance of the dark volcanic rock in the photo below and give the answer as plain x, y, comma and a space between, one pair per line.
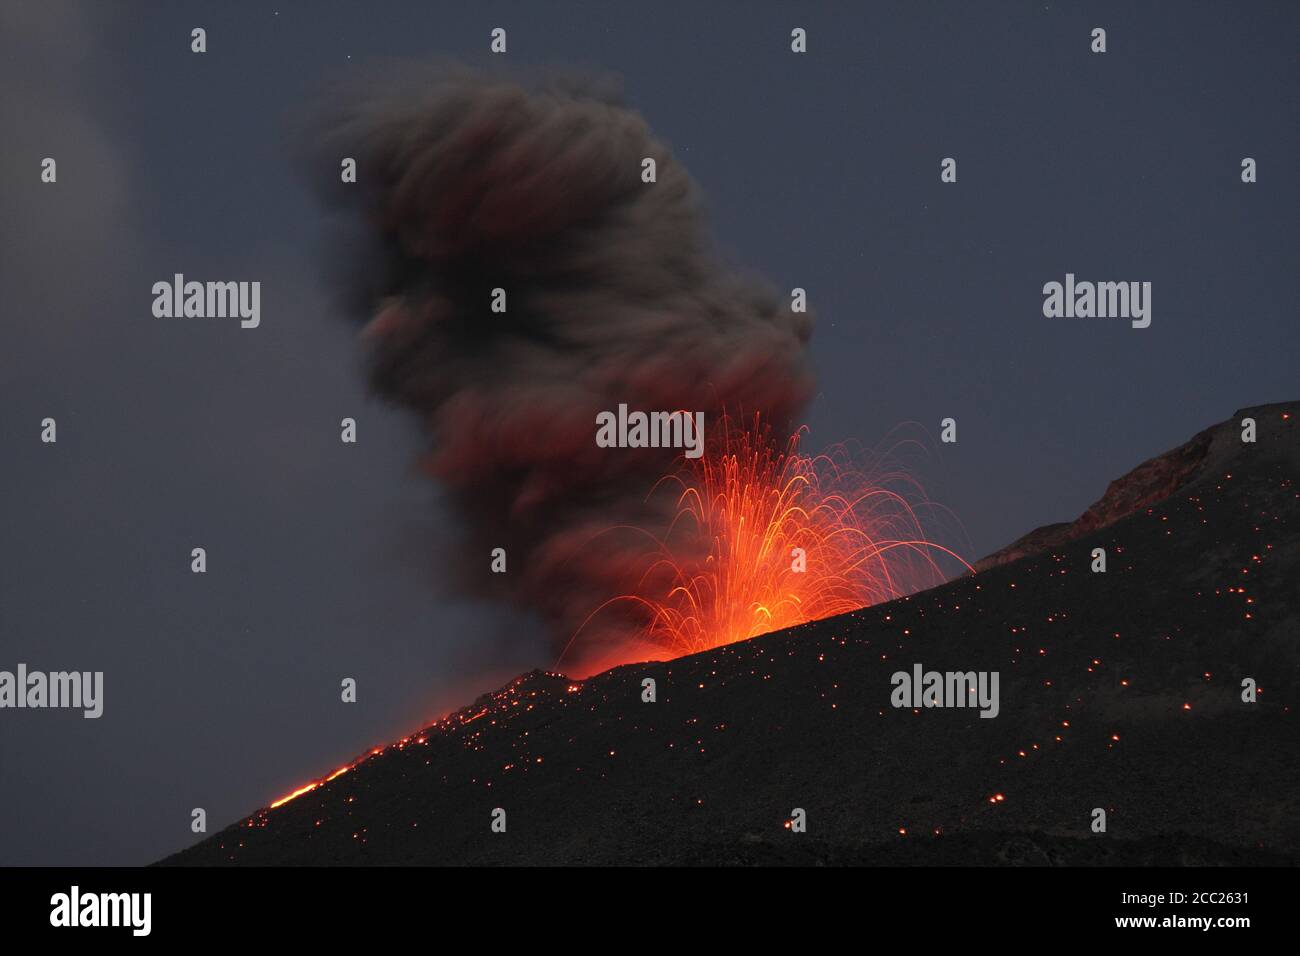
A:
1150, 482
1119, 690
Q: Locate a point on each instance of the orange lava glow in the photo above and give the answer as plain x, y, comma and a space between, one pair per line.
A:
297, 793
764, 539
308, 788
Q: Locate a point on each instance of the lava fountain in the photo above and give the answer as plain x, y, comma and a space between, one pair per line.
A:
765, 537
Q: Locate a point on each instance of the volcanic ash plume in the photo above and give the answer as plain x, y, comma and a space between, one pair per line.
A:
467, 184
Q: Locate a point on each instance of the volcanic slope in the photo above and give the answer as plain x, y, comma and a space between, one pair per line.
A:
1119, 690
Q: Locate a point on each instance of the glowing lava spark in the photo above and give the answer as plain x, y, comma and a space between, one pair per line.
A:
308, 788
297, 793
765, 539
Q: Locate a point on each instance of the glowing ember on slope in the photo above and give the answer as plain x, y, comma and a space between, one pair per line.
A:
297, 793
765, 539
508, 697
308, 788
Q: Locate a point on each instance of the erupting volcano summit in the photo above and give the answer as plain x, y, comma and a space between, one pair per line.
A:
1120, 692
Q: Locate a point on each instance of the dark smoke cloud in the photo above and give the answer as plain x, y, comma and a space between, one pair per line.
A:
467, 182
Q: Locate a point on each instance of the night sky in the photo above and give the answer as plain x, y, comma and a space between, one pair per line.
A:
818, 170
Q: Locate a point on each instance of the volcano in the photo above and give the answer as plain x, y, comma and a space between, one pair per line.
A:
1124, 696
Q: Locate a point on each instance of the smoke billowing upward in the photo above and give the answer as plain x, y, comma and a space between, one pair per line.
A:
468, 183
